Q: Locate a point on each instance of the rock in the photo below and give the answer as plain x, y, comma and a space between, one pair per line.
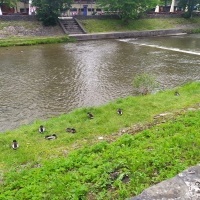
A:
184, 186
27, 28
1, 177
162, 115
191, 109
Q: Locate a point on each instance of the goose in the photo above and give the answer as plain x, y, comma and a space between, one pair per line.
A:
41, 129
176, 93
71, 130
90, 115
51, 137
119, 111
15, 145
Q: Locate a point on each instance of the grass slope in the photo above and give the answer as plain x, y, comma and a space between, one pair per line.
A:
79, 166
24, 33
111, 25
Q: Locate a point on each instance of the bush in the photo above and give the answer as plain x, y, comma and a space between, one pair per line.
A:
48, 19
186, 15
49, 10
144, 83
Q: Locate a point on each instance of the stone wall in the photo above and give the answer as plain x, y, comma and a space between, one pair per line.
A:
17, 17
24, 25
82, 17
163, 15
114, 16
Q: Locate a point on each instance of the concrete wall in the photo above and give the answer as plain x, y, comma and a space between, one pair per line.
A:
97, 17
131, 34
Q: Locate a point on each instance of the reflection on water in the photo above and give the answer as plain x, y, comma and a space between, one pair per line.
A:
43, 81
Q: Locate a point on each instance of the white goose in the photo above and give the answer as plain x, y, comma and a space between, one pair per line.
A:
41, 129
51, 137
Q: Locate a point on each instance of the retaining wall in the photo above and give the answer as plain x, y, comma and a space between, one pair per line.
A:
17, 17
114, 16
132, 34
82, 17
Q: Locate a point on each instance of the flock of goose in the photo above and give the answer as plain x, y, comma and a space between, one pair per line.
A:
15, 144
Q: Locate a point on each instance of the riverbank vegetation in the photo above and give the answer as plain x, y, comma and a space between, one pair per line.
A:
126, 9
27, 41
106, 158
55, 8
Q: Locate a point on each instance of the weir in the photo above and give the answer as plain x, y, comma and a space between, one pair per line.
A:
160, 47
171, 49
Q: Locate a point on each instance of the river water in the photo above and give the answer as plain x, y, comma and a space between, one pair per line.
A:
37, 82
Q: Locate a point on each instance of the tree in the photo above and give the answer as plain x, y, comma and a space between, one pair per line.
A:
10, 3
127, 9
48, 11
189, 6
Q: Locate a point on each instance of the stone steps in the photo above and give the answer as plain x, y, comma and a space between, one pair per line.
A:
71, 26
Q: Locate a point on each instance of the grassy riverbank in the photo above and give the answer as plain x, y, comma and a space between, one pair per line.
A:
101, 160
112, 25
20, 33
28, 41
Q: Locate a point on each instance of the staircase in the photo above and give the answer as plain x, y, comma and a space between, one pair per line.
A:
71, 26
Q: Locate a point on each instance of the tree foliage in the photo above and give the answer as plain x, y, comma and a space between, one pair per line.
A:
189, 6
127, 9
10, 3
49, 10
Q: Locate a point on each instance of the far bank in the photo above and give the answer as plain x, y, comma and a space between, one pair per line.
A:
26, 30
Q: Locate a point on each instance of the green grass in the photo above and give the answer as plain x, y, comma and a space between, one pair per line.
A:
110, 25
80, 166
27, 41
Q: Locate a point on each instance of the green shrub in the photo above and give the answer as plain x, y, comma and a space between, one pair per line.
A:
144, 83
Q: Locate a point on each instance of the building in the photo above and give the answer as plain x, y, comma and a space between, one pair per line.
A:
20, 8
79, 7
84, 7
